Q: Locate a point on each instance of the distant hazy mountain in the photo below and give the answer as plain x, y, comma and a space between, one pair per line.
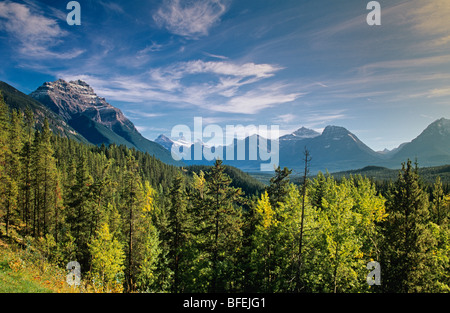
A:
300, 134
164, 141
430, 148
92, 117
337, 149
167, 142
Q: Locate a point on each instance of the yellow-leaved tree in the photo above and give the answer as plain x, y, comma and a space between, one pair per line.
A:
107, 261
265, 211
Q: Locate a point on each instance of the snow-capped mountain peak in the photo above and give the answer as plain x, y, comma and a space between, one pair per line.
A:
301, 133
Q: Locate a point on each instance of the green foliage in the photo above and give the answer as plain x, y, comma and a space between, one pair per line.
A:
137, 224
178, 234
411, 239
107, 260
248, 184
218, 232
339, 237
278, 188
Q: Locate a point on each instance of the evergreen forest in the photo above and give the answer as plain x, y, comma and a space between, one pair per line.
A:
135, 224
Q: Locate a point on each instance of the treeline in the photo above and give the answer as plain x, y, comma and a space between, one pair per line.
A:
248, 184
136, 224
382, 176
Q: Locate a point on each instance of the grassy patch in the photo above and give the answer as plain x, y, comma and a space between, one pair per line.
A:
12, 282
22, 272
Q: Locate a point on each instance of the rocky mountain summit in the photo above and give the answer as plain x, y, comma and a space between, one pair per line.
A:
94, 118
69, 99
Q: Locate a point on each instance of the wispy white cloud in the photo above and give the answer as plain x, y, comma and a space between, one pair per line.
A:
285, 118
256, 100
139, 114
439, 92
427, 61
228, 68
392, 80
35, 33
151, 48
216, 56
430, 17
220, 87
190, 19
113, 7
141, 57
18, 20
315, 119
229, 77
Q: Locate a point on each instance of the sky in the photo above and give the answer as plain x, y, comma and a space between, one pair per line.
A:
292, 63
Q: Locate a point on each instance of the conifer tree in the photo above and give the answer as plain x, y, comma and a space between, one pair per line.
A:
44, 178
132, 199
142, 238
307, 159
179, 228
219, 229
265, 239
79, 213
279, 186
26, 161
103, 191
58, 216
406, 242
438, 205
10, 145
3, 159
317, 192
147, 246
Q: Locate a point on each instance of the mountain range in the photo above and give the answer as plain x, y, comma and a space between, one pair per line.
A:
75, 111
337, 149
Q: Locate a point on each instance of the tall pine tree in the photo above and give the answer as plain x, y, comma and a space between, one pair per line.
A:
404, 253
219, 230
179, 232
79, 211
279, 186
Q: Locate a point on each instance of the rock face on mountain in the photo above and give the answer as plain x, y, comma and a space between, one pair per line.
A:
165, 141
69, 99
94, 118
17, 100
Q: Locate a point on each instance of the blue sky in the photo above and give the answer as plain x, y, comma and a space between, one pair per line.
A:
290, 63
